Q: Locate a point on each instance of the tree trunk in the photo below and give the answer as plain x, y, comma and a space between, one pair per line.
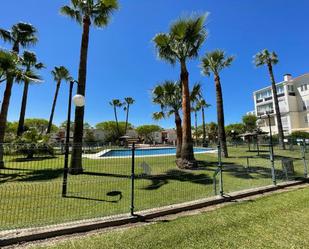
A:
204, 126
116, 119
179, 134
3, 115
76, 160
127, 119
22, 113
187, 155
195, 116
50, 123
220, 117
277, 109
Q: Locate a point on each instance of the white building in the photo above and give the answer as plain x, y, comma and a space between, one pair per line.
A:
293, 96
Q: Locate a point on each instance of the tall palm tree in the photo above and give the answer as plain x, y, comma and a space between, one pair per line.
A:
116, 103
29, 62
195, 95
128, 102
215, 62
59, 74
202, 105
85, 12
21, 35
269, 59
180, 44
168, 96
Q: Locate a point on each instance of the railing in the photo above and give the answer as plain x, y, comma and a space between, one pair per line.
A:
117, 180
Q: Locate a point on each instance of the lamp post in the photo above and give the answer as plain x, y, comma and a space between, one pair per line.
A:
78, 100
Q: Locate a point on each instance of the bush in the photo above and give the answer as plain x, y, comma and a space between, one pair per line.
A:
32, 143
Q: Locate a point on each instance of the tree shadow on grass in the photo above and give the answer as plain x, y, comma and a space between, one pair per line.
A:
34, 159
32, 175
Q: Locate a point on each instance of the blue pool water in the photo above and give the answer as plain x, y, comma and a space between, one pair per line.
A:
149, 152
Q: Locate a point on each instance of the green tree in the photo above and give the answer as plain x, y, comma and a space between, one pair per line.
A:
269, 59
202, 105
59, 74
249, 122
111, 131
212, 131
215, 62
180, 44
195, 95
30, 63
39, 124
21, 35
31, 142
128, 102
116, 103
168, 96
234, 129
147, 132
85, 12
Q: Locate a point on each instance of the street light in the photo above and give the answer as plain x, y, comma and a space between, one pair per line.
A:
79, 101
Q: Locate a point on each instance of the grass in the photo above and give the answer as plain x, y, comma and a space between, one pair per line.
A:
31, 190
278, 221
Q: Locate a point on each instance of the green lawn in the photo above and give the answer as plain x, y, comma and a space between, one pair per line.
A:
31, 191
278, 221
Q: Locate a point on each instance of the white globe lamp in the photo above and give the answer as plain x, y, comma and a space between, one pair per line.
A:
79, 100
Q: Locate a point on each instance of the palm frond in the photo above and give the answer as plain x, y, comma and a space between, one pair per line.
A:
164, 50
6, 36
158, 115
72, 13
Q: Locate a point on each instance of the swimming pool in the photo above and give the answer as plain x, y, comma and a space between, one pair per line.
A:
149, 152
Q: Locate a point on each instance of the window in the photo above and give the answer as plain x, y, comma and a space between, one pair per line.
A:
290, 88
265, 108
306, 119
303, 87
280, 89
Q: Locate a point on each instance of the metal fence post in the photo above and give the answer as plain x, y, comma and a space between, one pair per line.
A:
304, 158
218, 170
271, 157
132, 179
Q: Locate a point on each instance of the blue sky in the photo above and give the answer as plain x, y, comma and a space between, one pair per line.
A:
122, 60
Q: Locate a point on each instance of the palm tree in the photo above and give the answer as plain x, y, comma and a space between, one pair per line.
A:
128, 101
115, 103
182, 43
202, 105
195, 95
214, 62
168, 96
21, 34
29, 61
59, 74
269, 59
85, 12
24, 35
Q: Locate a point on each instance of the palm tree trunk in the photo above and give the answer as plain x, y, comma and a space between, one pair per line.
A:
116, 119
179, 134
22, 113
195, 116
220, 116
76, 160
3, 115
50, 123
187, 154
127, 119
277, 109
204, 126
